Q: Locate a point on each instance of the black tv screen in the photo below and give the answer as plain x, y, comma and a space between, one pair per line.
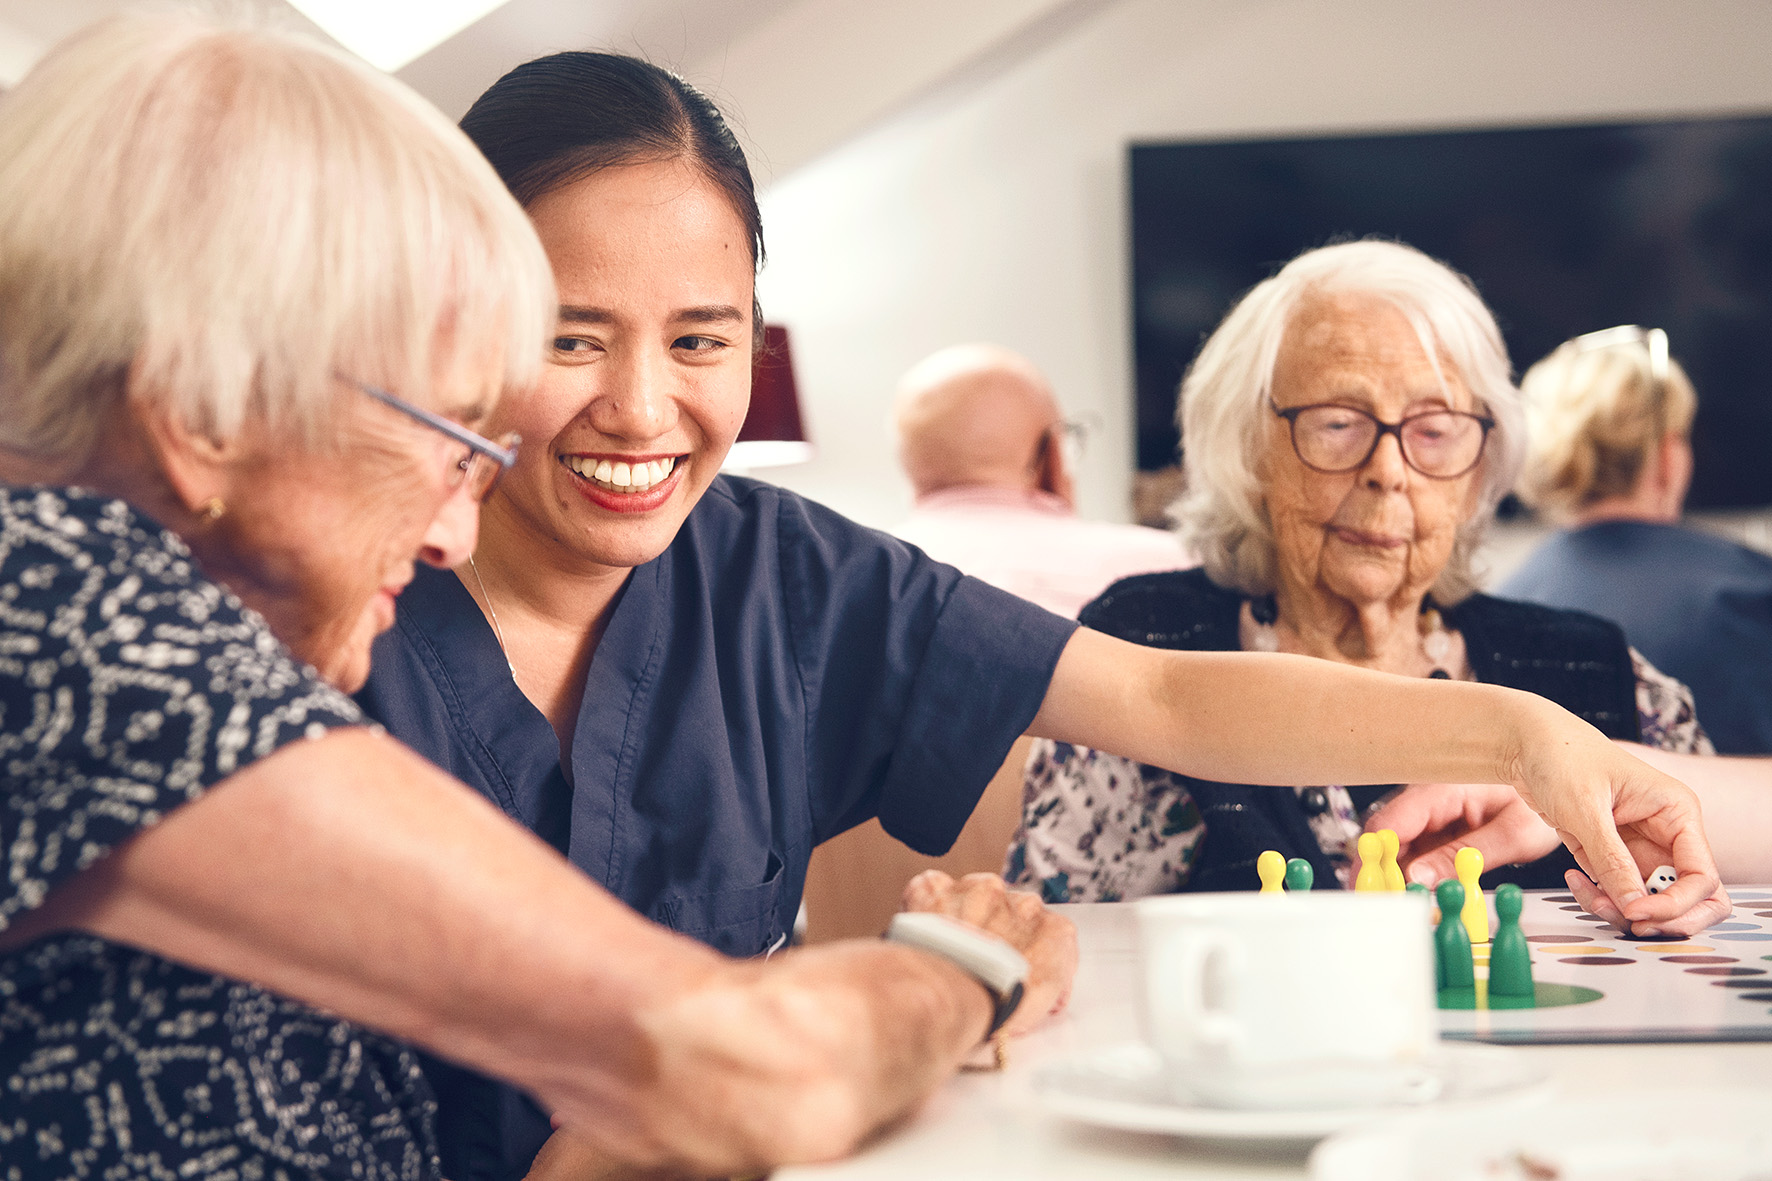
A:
1564, 230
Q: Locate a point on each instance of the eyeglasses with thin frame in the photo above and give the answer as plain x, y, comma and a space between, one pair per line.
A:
486, 461
1331, 438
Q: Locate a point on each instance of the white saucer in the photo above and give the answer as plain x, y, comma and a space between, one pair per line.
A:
1125, 1087
1679, 1135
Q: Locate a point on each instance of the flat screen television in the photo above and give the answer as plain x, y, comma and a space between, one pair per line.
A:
1563, 229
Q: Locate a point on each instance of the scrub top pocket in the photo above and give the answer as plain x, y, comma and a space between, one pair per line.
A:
740, 922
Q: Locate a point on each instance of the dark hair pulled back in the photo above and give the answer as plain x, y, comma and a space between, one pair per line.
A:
559, 118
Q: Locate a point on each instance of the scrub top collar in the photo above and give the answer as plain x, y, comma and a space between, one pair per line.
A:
511, 739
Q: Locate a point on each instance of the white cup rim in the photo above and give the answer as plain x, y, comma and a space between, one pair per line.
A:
1246, 904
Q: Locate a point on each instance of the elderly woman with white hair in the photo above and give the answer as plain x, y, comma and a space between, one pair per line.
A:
1349, 429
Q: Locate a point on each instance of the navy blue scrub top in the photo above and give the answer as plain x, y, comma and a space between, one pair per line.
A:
778, 675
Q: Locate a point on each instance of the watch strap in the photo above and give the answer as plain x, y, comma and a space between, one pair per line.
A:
991, 961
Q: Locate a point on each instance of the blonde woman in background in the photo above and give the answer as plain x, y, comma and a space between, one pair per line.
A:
1609, 423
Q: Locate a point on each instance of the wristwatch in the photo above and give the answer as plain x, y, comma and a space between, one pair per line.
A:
981, 955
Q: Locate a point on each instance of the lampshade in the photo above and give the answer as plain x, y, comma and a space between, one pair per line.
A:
772, 434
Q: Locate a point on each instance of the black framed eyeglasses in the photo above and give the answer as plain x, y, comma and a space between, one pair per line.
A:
1440, 444
486, 460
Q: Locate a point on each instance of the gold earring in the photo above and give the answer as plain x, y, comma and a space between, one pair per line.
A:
211, 510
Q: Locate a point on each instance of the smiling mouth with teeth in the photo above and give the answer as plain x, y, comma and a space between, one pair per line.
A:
617, 476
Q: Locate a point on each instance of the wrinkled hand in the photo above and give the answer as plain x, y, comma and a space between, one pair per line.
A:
1621, 818
1046, 941
1433, 821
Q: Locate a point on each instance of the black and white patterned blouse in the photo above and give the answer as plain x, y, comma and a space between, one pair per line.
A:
130, 684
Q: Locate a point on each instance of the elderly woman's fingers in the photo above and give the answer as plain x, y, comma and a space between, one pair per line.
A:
1420, 810
977, 898
982, 899
930, 890
1047, 941
1437, 864
1442, 818
1050, 947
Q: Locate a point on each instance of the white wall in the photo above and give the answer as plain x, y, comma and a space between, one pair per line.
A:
998, 212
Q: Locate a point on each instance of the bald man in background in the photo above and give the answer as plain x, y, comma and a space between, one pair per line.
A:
979, 435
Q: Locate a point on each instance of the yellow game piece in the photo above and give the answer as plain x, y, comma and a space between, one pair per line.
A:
1469, 864
1393, 873
1371, 875
1271, 868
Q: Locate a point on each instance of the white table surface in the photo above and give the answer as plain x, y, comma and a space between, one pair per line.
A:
992, 1125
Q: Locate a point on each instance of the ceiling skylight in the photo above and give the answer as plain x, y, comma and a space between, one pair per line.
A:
389, 33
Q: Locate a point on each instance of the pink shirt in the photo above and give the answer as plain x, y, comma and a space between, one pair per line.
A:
1031, 544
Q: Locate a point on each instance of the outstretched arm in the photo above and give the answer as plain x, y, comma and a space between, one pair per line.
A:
1253, 718
1737, 798
349, 873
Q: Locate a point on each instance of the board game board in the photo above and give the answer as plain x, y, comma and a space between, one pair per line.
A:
1605, 987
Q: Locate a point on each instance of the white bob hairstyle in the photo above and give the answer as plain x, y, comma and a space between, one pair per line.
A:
227, 220
1224, 402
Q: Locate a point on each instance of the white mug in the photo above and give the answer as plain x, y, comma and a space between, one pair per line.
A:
1298, 1000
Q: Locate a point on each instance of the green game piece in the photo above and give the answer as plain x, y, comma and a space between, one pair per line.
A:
1510, 956
1415, 888
1452, 944
1457, 998
1299, 874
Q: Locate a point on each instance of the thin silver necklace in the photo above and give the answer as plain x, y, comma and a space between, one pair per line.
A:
497, 631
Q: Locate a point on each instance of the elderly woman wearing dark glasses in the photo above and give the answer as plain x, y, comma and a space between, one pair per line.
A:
1349, 429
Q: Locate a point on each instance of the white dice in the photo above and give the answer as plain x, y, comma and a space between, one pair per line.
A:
1661, 879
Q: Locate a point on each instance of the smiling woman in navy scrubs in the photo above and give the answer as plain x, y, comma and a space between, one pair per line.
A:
685, 681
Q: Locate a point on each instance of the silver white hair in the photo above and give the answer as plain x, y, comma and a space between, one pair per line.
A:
229, 219
1224, 402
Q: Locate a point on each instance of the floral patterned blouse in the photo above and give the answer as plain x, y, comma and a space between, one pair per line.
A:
1096, 827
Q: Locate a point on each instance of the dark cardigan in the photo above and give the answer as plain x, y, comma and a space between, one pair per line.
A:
1579, 661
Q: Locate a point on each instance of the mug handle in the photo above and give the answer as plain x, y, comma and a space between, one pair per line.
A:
1216, 1029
